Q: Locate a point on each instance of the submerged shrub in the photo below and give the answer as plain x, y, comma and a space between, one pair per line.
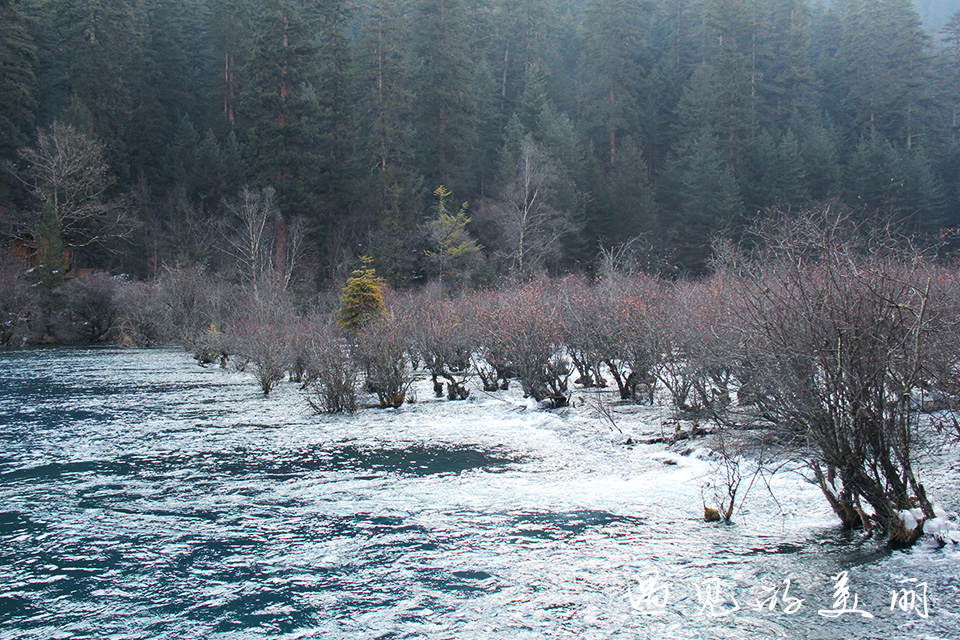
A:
141, 319
263, 335
440, 340
842, 331
381, 352
521, 329
332, 379
94, 303
18, 304
190, 300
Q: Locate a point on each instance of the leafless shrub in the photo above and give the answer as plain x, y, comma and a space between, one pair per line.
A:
492, 362
380, 350
727, 478
193, 301
18, 304
529, 217
709, 338
629, 332
440, 340
521, 329
141, 319
332, 379
691, 331
845, 329
675, 337
582, 318
262, 334
94, 303
628, 259
732, 456
301, 347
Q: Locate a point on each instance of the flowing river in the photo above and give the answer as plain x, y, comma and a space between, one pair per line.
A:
142, 496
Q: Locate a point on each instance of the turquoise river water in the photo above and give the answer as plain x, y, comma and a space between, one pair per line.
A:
142, 496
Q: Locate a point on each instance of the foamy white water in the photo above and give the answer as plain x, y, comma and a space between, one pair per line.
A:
146, 497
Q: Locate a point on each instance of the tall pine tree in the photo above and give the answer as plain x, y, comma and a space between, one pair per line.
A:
445, 107
17, 82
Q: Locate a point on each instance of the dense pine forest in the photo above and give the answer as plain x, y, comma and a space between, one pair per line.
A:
459, 139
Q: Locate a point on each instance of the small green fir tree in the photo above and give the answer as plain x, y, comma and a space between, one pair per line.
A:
450, 234
362, 297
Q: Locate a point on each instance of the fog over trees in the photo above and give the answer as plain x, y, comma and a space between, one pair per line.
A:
567, 125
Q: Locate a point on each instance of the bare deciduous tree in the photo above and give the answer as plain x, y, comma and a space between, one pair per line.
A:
262, 334
381, 351
531, 222
440, 339
67, 169
521, 329
264, 244
583, 312
188, 302
18, 302
630, 328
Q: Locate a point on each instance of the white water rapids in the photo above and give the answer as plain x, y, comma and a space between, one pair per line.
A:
142, 496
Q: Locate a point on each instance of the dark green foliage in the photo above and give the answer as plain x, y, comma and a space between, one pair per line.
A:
17, 81
822, 163
165, 86
631, 197
397, 244
702, 200
386, 134
91, 48
181, 154
445, 109
348, 108
279, 109
210, 174
898, 183
614, 56
881, 52
52, 261
790, 176
789, 98
361, 300
335, 89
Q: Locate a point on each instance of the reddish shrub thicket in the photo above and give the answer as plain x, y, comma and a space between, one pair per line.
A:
584, 309
19, 303
520, 333
629, 330
94, 304
481, 314
844, 330
263, 334
380, 349
441, 340
695, 337
331, 377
